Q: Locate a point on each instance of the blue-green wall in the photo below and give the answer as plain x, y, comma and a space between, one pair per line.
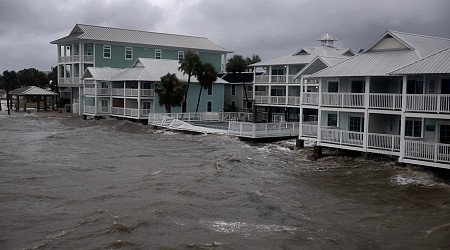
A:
118, 60
217, 99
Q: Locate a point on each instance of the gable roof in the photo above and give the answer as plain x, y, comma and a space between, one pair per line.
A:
319, 63
149, 69
437, 63
305, 56
378, 62
31, 91
101, 74
107, 34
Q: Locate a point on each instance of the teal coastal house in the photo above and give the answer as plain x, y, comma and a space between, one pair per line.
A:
130, 93
95, 46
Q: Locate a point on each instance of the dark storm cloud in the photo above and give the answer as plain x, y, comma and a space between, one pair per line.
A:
265, 27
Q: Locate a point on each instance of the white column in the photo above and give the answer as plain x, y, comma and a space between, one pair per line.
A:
403, 119
287, 85
319, 113
254, 87
366, 112
301, 108
139, 99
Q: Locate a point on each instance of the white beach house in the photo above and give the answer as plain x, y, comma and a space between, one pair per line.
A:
393, 98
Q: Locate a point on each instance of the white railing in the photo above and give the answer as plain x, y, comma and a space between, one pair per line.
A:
261, 93
262, 79
104, 110
311, 98
147, 92
131, 92
278, 79
342, 137
145, 112
309, 130
89, 91
278, 100
210, 116
262, 99
75, 58
427, 151
117, 92
293, 100
385, 101
428, 103
384, 142
131, 112
88, 58
117, 111
263, 130
103, 91
343, 99
89, 109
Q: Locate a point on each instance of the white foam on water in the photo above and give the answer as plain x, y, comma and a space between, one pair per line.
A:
415, 178
246, 228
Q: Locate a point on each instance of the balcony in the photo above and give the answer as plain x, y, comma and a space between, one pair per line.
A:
276, 79
385, 101
428, 103
342, 137
69, 80
293, 100
427, 151
311, 98
125, 112
92, 110
76, 58
309, 130
263, 130
99, 91
350, 100
384, 142
132, 92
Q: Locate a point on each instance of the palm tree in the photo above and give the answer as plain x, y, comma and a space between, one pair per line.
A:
8, 82
254, 59
206, 76
237, 64
189, 65
170, 92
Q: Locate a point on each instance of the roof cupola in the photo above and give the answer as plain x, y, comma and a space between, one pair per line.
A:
327, 39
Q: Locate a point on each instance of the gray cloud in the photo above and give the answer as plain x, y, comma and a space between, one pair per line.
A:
265, 27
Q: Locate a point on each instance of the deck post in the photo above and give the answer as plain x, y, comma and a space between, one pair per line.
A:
403, 119
84, 117
38, 103
25, 104
18, 103
299, 143
317, 152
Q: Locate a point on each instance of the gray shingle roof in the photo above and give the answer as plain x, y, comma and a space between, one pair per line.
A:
382, 62
31, 91
437, 63
107, 34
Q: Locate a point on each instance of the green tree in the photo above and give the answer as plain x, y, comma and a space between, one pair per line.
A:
237, 64
32, 77
189, 65
9, 81
170, 92
251, 60
206, 76
53, 79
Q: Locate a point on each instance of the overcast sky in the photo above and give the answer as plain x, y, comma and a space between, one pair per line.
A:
270, 28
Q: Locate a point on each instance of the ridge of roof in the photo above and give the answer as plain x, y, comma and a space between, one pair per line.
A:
421, 59
419, 35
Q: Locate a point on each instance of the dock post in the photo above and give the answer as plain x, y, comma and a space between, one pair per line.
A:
299, 143
84, 117
317, 152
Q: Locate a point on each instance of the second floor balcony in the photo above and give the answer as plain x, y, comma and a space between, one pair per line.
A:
276, 79
76, 58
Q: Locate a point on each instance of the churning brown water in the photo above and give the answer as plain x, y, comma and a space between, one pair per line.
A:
66, 183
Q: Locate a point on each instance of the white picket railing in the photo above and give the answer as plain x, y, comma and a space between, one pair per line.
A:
427, 151
278, 79
384, 142
293, 100
428, 103
278, 100
131, 92
89, 109
385, 101
262, 79
342, 137
311, 98
263, 130
309, 130
147, 92
355, 100
117, 92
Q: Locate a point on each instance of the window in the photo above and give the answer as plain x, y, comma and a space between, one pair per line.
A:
356, 124
333, 86
277, 72
128, 53
413, 128
146, 105
332, 120
233, 104
106, 51
445, 86
210, 89
414, 87
357, 87
444, 133
88, 49
158, 54
180, 55
233, 89
209, 106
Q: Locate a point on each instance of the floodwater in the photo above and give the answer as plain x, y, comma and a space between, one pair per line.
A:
66, 183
